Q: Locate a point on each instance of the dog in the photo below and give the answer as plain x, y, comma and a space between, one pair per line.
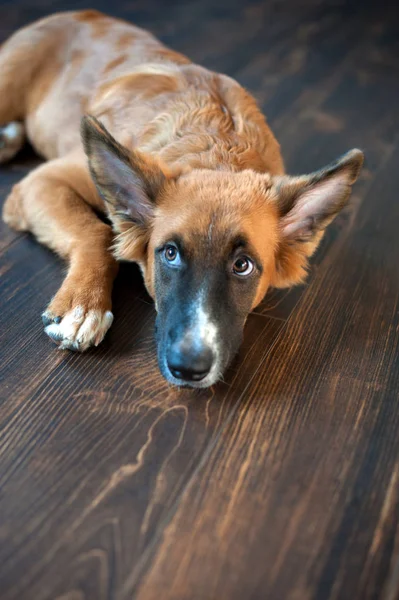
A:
159, 161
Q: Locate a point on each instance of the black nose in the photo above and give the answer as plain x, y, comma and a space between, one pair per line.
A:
190, 361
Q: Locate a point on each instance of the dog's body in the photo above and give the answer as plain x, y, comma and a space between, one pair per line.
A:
191, 180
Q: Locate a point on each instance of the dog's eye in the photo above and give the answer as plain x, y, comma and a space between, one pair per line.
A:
172, 255
243, 266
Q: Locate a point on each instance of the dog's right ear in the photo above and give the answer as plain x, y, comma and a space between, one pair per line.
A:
128, 181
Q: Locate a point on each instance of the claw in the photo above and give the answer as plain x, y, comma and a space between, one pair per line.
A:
46, 320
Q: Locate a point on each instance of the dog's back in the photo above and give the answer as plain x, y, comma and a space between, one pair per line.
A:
147, 95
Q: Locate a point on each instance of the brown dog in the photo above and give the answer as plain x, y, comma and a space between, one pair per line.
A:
191, 179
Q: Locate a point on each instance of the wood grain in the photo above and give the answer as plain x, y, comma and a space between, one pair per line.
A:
283, 481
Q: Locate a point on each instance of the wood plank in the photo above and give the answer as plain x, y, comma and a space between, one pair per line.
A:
95, 458
299, 497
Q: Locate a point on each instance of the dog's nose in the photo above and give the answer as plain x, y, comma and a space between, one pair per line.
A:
189, 362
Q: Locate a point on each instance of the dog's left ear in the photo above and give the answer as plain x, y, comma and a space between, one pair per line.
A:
128, 181
306, 206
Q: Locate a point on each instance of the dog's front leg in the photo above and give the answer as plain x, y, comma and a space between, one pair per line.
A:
80, 314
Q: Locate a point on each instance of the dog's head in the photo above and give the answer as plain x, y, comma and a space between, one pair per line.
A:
210, 243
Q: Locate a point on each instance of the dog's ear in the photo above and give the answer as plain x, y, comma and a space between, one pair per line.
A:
306, 206
128, 181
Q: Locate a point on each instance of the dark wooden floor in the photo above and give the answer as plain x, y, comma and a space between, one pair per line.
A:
283, 482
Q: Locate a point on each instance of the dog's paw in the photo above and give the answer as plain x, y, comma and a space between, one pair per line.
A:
77, 329
12, 138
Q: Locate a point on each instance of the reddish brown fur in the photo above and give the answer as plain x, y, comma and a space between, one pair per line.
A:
182, 117
115, 63
124, 42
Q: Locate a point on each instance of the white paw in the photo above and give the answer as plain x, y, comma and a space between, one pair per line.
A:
78, 329
12, 138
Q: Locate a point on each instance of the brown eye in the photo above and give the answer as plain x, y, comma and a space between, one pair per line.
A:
171, 253
243, 266
172, 256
